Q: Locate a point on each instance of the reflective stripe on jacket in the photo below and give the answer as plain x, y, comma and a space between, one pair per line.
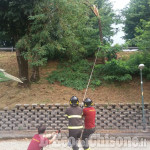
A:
74, 115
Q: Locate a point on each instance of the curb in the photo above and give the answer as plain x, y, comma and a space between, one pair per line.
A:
7, 135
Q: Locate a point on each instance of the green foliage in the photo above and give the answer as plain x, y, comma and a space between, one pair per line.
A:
143, 35
75, 75
122, 78
139, 58
66, 33
14, 18
148, 77
5, 40
58, 28
114, 67
108, 17
134, 62
111, 52
119, 70
23, 43
114, 70
136, 11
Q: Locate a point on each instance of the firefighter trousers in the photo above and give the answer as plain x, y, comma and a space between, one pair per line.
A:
74, 136
85, 137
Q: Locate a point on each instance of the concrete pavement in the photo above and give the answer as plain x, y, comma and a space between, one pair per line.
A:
101, 140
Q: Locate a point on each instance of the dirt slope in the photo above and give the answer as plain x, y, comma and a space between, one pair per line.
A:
43, 92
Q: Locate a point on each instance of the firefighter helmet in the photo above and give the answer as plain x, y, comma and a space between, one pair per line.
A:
74, 101
88, 102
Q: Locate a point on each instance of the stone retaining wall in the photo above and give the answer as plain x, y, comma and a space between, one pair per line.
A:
112, 116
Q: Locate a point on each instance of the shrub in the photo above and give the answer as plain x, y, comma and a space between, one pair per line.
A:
74, 75
77, 75
139, 58
111, 52
122, 78
115, 70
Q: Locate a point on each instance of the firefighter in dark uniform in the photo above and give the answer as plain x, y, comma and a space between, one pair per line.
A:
74, 114
89, 114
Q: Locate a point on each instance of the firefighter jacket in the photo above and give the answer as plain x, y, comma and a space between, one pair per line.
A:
74, 115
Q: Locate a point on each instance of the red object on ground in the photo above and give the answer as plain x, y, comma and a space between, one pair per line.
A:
38, 142
89, 113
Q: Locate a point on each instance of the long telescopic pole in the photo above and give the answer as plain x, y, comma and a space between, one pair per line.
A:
143, 112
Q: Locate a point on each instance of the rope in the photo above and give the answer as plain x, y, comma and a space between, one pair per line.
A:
91, 75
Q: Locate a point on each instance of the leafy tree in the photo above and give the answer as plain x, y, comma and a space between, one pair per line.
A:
5, 40
136, 11
62, 29
52, 32
108, 17
111, 52
143, 36
14, 22
53, 29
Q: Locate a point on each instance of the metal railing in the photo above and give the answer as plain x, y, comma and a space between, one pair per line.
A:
12, 49
131, 49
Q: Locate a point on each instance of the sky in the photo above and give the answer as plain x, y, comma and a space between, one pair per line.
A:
118, 5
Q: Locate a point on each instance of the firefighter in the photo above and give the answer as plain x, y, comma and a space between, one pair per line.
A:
74, 115
39, 140
89, 114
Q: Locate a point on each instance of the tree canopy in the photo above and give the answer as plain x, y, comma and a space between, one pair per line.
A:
137, 10
14, 18
54, 29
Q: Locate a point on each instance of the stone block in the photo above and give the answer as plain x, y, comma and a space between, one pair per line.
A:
18, 105
15, 128
62, 113
118, 119
65, 122
49, 122
42, 117
26, 105
17, 117
54, 108
53, 125
32, 128
12, 120
49, 128
8, 123
140, 127
42, 105
58, 122
26, 111
38, 108
33, 122
46, 109
106, 121
34, 105
8, 128
21, 108
57, 104
41, 122
45, 119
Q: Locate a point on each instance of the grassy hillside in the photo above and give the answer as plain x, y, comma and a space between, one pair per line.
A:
43, 92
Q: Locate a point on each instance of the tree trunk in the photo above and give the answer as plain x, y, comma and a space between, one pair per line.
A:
23, 69
101, 37
35, 74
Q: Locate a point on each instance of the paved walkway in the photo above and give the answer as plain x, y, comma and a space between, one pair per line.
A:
29, 134
111, 145
104, 140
